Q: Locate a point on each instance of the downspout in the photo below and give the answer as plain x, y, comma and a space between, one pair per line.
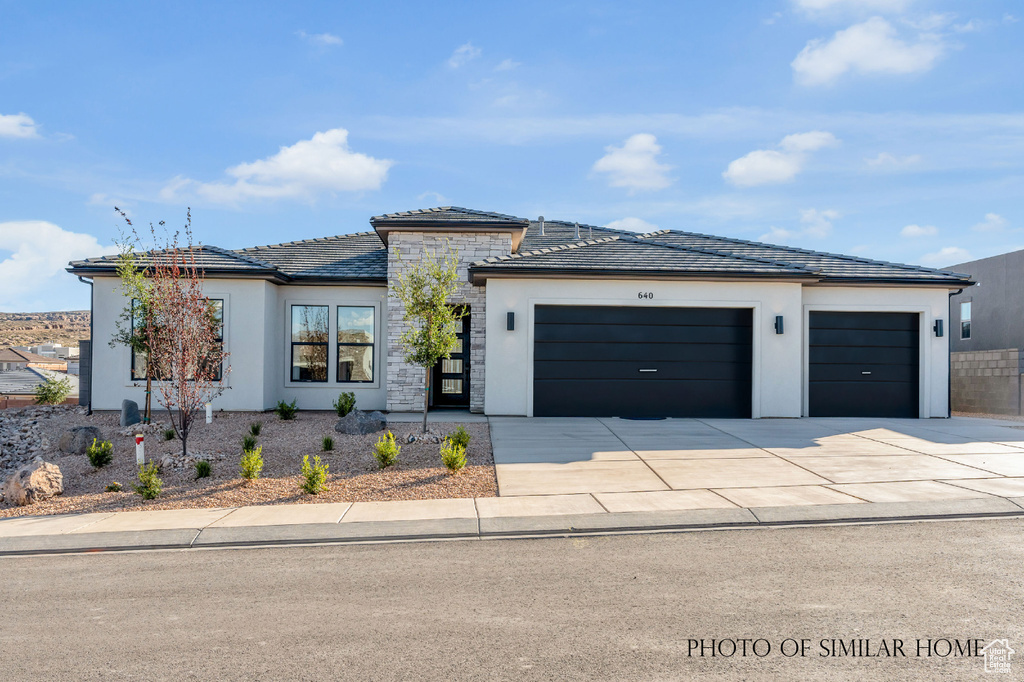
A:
949, 356
92, 338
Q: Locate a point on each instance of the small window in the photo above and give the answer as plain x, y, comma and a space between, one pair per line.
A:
965, 320
355, 344
217, 312
309, 343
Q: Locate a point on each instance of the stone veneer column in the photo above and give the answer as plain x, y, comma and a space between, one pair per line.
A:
405, 381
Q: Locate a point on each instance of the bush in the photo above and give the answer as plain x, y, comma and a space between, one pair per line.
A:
453, 455
248, 442
460, 436
286, 411
255, 428
203, 469
53, 391
169, 434
314, 476
114, 487
149, 485
100, 454
252, 464
385, 451
345, 403
326, 443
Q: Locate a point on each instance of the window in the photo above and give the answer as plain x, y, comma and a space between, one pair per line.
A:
965, 320
217, 311
355, 344
140, 360
309, 343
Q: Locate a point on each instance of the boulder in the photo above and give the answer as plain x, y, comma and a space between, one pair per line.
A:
130, 413
34, 482
360, 422
76, 440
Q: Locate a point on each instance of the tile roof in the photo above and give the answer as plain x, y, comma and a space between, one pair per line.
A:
209, 258
359, 256
446, 215
25, 381
14, 355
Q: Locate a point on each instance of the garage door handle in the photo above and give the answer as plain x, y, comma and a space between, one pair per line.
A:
648, 370
865, 372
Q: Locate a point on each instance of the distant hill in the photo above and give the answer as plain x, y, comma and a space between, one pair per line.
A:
31, 329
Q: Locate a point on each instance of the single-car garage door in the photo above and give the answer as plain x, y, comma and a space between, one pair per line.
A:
610, 361
863, 364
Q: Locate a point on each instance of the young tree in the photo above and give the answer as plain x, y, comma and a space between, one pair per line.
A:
432, 322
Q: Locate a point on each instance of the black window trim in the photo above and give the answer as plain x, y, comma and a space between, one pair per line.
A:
339, 344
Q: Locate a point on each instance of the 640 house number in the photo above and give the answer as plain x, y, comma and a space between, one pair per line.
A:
645, 294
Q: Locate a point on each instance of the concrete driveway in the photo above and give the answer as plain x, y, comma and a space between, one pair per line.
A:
674, 464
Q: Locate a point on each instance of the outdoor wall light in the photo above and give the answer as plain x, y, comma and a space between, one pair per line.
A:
510, 321
778, 324
938, 328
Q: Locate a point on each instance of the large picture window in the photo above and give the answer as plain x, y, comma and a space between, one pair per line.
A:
310, 335
140, 359
355, 344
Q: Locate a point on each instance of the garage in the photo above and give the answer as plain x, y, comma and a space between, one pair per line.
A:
863, 364
614, 361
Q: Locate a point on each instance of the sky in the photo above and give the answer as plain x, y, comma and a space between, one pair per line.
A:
889, 129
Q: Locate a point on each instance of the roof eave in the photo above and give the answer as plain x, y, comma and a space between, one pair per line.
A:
893, 282
89, 272
481, 275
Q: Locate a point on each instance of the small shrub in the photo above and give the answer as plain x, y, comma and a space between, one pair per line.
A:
53, 391
114, 487
169, 434
248, 442
252, 464
460, 436
286, 411
326, 443
314, 476
386, 450
453, 455
100, 454
345, 403
149, 485
255, 428
203, 469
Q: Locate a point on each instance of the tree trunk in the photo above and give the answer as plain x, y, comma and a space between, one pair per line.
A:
149, 393
426, 398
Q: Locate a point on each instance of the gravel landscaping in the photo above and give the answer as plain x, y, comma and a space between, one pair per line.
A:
353, 475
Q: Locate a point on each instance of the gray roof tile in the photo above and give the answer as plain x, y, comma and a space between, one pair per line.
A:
359, 256
446, 215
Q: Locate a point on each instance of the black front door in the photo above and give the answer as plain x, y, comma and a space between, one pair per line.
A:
449, 383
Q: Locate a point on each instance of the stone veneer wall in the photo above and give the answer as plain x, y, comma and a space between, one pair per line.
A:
405, 381
987, 381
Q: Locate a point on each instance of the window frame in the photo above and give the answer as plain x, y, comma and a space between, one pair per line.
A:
221, 339
966, 322
338, 344
291, 340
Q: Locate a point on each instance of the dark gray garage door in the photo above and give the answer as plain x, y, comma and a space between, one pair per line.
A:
863, 364
607, 361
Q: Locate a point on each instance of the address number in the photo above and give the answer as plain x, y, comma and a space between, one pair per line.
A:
645, 294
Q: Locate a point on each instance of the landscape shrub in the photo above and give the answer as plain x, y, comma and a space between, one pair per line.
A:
149, 485
460, 436
114, 487
252, 463
100, 454
255, 428
314, 476
326, 443
453, 455
386, 450
248, 442
286, 411
53, 391
168, 434
345, 403
203, 469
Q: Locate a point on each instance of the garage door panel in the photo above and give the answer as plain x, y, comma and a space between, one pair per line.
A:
875, 372
639, 333
887, 338
663, 371
846, 399
852, 355
624, 315
617, 398
865, 320
639, 352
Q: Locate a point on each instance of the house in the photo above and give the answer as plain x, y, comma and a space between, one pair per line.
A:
566, 320
987, 337
16, 358
18, 386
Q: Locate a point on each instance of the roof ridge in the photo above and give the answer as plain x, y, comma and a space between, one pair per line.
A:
583, 226
306, 241
546, 249
770, 261
240, 256
456, 209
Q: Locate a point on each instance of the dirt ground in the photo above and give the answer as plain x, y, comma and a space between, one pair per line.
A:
353, 475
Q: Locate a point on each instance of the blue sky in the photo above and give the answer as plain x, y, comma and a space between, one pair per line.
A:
892, 129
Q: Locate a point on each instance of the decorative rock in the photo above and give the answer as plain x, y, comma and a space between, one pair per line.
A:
360, 422
34, 482
428, 437
130, 413
76, 441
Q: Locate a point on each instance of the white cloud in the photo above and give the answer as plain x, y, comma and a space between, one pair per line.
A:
946, 256
770, 166
632, 225
635, 165
993, 222
463, 55
913, 231
1010, 19
304, 170
866, 48
17, 125
507, 65
33, 274
887, 160
894, 6
436, 197
319, 39
814, 223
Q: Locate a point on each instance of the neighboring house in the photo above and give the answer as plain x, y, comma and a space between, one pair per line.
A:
18, 386
566, 320
14, 358
987, 336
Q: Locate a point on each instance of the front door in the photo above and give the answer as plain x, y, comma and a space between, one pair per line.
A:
449, 384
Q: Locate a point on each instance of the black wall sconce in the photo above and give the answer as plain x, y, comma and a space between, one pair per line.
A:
938, 328
510, 321
778, 324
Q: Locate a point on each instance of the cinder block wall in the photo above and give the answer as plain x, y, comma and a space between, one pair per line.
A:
988, 382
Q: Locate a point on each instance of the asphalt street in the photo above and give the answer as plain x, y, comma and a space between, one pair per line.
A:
590, 608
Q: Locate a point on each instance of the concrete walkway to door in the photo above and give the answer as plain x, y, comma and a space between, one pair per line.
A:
678, 464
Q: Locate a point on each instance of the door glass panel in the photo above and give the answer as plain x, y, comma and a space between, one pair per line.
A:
451, 366
458, 347
451, 386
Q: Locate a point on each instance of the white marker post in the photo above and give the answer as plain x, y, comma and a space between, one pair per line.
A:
140, 449
209, 413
